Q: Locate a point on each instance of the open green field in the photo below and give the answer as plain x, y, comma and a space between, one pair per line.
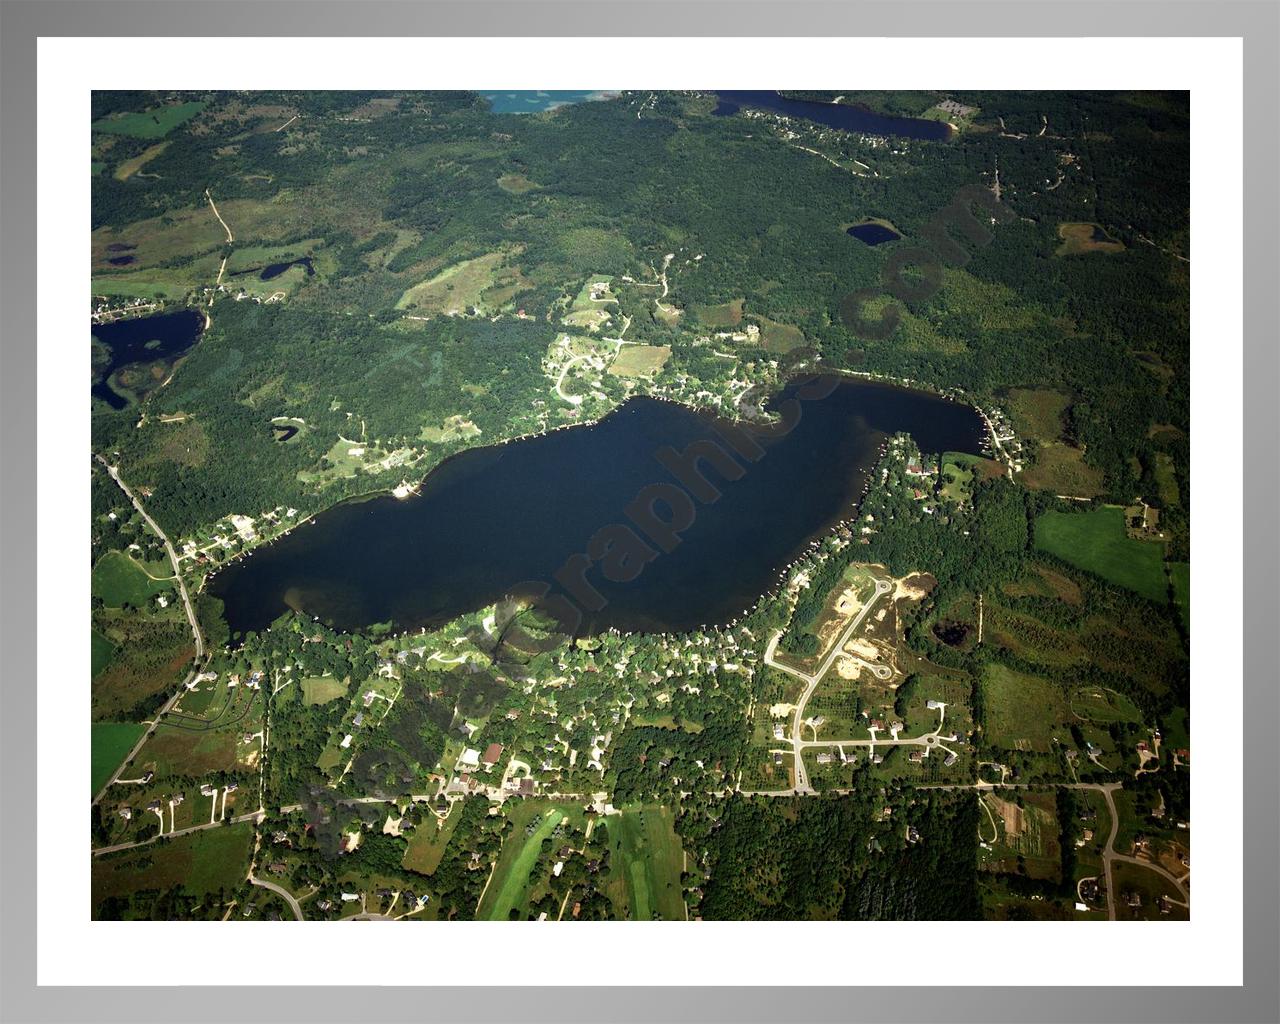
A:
1022, 712
201, 862
101, 651
486, 282
150, 124
646, 852
428, 843
1060, 467
108, 743
118, 581
777, 337
1080, 237
511, 876
1149, 886
322, 689
1096, 542
640, 360
726, 314
1103, 706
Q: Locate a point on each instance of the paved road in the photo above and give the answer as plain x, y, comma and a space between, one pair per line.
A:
98, 851
279, 891
812, 680
191, 618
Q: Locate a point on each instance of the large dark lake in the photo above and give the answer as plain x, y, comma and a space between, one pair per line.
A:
151, 343
492, 518
834, 115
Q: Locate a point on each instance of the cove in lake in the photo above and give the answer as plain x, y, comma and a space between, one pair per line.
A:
490, 519
834, 115
873, 233
151, 341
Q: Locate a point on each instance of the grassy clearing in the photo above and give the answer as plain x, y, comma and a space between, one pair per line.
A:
517, 184
1061, 468
1042, 581
1096, 542
108, 743
776, 337
456, 288
1079, 237
1022, 712
187, 752
1038, 412
1167, 480
118, 581
727, 314
640, 360
129, 168
101, 651
1032, 639
150, 124
511, 876
1103, 706
322, 689
428, 843
644, 846
202, 863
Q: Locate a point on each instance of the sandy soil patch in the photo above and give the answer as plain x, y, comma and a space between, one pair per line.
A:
847, 668
915, 587
863, 649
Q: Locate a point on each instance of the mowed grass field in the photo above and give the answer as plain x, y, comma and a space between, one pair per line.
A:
646, 852
427, 844
322, 689
1021, 711
1096, 542
150, 124
118, 581
201, 862
108, 743
640, 360
519, 853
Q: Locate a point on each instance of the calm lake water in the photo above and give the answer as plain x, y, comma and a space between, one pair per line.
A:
492, 518
873, 234
835, 115
149, 340
531, 101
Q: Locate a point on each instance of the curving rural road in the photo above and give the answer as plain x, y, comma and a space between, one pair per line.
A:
288, 897
191, 618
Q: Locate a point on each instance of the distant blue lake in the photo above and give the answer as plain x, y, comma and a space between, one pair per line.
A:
834, 115
531, 101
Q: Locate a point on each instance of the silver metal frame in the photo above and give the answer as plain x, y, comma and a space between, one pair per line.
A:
21, 23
